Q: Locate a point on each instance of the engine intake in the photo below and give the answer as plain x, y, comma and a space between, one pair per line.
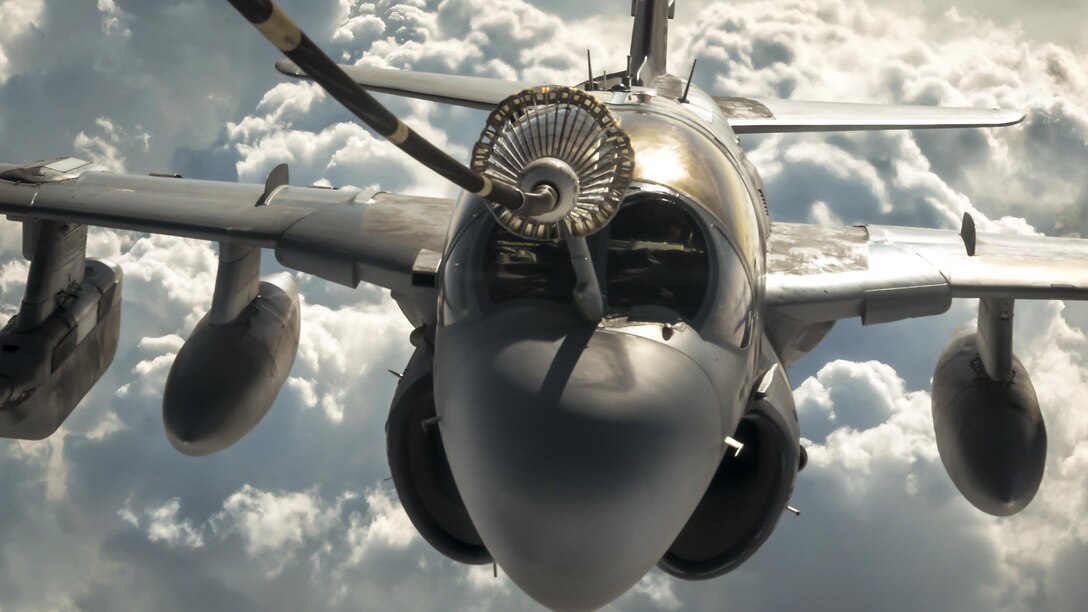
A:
749, 491
990, 434
421, 472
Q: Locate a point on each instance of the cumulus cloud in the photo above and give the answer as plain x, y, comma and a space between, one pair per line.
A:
388, 525
17, 19
487, 579
109, 424
295, 505
843, 392
658, 589
288, 128
853, 51
858, 465
113, 19
13, 272
48, 456
162, 525
282, 529
384, 527
105, 145
275, 525
338, 353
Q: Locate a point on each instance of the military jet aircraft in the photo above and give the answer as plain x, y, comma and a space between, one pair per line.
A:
603, 319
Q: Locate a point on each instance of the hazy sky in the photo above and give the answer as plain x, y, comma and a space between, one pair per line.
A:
105, 515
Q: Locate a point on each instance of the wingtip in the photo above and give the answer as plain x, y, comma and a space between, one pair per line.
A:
289, 68
1009, 116
1017, 116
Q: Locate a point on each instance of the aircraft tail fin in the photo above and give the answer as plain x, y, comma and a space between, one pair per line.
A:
649, 38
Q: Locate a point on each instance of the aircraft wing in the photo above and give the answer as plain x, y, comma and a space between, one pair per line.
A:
881, 273
474, 92
342, 236
768, 116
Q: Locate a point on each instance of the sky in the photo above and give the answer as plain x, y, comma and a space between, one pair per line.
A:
300, 515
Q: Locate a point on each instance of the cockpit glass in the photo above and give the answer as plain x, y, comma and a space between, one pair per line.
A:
519, 268
657, 256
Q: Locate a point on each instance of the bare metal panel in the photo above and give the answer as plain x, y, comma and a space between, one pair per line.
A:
796, 249
683, 158
738, 109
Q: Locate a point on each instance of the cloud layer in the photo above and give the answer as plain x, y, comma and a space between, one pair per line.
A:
298, 515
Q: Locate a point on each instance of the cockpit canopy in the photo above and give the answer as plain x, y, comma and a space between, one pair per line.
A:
658, 260
684, 245
654, 255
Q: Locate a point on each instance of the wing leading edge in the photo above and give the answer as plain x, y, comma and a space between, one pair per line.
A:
343, 236
745, 115
474, 92
770, 116
882, 273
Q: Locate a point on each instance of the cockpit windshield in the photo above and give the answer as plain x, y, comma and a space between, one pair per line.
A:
657, 256
656, 261
684, 246
519, 268
653, 254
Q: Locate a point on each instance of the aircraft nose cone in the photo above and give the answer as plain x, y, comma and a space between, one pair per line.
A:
580, 456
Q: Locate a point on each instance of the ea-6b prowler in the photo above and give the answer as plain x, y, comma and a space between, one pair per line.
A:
603, 319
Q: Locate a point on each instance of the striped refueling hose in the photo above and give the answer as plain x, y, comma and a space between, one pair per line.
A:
282, 32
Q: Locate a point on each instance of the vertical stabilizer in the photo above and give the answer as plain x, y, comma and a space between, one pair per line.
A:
649, 39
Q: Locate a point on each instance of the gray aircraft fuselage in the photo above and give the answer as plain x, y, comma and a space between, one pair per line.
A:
582, 449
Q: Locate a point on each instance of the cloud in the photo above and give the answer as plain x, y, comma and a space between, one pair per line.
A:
291, 518
859, 468
853, 51
274, 526
339, 353
657, 588
109, 424
842, 392
104, 148
388, 525
17, 19
164, 526
281, 531
48, 456
383, 528
113, 19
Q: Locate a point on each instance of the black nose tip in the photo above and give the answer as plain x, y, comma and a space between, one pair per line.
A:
579, 456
